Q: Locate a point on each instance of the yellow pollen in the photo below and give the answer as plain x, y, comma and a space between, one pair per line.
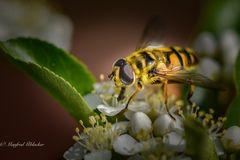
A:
77, 130
76, 138
211, 111
101, 77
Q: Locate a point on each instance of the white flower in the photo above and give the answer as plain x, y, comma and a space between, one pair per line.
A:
104, 99
231, 139
162, 124
92, 100
139, 106
120, 127
209, 68
174, 141
99, 155
76, 152
205, 43
135, 137
39, 21
128, 114
149, 145
116, 107
126, 145
99, 136
165, 124
105, 87
229, 42
140, 122
113, 109
110, 110
218, 146
178, 124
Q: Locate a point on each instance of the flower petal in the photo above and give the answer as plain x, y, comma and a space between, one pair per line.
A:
139, 106
174, 141
128, 114
120, 127
233, 133
229, 43
177, 124
109, 110
209, 68
205, 43
93, 100
162, 125
218, 146
165, 124
140, 121
126, 145
149, 145
76, 152
106, 87
231, 139
99, 155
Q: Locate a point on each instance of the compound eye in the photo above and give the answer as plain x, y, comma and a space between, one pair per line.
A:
126, 74
119, 63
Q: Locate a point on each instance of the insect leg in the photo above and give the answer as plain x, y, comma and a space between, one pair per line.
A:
139, 87
121, 94
164, 86
190, 93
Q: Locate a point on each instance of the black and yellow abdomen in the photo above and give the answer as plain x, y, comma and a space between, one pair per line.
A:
176, 56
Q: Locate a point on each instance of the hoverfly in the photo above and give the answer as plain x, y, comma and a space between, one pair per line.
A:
158, 65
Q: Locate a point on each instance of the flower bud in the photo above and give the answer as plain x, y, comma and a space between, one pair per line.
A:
140, 122
231, 139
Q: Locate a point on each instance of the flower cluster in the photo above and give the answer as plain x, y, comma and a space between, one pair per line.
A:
146, 130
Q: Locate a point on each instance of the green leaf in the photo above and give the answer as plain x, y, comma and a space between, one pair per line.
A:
198, 143
233, 113
58, 72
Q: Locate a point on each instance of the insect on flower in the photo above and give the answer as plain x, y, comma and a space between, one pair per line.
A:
152, 63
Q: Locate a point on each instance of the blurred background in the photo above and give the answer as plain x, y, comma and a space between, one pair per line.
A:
99, 32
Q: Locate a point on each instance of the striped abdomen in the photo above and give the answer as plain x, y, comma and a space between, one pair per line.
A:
176, 56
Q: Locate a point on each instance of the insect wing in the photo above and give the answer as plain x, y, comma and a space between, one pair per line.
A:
191, 78
153, 34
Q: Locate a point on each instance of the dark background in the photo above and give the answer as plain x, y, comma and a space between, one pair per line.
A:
103, 31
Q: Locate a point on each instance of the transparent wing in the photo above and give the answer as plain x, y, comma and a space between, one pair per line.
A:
191, 78
153, 34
